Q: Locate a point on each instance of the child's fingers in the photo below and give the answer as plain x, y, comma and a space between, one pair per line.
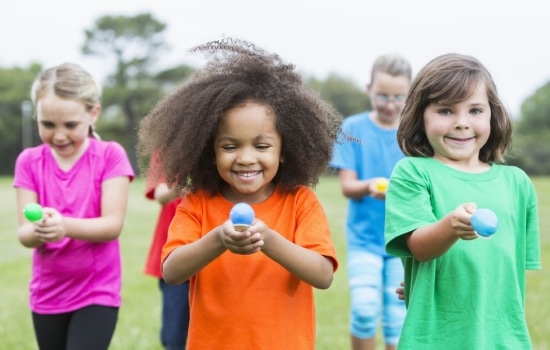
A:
249, 246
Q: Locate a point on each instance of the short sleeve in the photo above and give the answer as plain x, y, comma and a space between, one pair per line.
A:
117, 162
408, 206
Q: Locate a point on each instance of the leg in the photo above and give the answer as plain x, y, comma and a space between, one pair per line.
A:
175, 315
365, 282
51, 330
92, 328
394, 309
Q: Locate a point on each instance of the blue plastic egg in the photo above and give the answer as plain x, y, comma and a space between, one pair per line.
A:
484, 222
242, 214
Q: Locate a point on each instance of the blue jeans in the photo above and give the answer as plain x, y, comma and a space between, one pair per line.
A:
372, 282
175, 315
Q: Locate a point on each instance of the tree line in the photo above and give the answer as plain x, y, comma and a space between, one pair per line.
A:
134, 85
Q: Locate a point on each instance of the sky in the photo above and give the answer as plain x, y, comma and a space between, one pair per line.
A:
320, 37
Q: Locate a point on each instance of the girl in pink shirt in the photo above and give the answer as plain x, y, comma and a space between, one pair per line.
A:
82, 184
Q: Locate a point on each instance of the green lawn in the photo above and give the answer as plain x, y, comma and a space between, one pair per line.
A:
139, 316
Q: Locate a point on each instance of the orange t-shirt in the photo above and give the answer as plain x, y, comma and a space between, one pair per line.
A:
250, 301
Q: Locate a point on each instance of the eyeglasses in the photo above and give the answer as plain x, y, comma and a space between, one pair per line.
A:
385, 99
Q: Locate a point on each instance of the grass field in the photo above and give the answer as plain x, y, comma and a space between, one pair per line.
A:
139, 316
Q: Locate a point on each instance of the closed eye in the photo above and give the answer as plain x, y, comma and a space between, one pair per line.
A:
47, 125
229, 148
71, 125
50, 125
263, 147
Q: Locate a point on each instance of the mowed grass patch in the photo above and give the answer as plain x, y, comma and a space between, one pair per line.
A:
139, 317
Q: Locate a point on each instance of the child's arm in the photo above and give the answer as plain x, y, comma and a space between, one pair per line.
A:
106, 227
354, 188
306, 264
430, 242
114, 199
186, 260
164, 195
25, 229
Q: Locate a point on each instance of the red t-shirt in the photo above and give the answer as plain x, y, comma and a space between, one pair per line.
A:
250, 301
167, 211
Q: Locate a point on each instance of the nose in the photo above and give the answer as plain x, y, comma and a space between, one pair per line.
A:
246, 156
461, 121
59, 135
393, 105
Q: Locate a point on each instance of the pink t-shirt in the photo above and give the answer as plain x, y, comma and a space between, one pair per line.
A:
70, 274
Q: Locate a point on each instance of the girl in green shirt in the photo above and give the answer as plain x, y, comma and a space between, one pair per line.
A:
461, 292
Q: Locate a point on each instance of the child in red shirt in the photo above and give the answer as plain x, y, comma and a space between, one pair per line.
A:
175, 299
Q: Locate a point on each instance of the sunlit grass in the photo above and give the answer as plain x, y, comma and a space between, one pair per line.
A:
140, 314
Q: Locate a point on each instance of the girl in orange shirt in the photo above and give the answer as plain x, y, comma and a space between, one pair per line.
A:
245, 129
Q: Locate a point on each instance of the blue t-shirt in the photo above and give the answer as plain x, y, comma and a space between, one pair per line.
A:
373, 154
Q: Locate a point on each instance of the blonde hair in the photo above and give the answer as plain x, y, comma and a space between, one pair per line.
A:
392, 64
68, 81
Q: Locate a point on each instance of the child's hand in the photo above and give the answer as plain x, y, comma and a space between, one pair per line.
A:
460, 221
51, 227
378, 187
400, 291
245, 242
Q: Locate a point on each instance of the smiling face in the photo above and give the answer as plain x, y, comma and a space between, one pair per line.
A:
457, 132
248, 152
64, 124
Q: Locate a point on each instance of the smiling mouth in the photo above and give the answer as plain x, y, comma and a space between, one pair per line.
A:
460, 139
247, 173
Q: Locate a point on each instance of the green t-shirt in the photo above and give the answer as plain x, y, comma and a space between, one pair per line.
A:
473, 296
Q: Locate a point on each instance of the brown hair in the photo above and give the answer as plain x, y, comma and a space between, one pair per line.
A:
182, 126
450, 79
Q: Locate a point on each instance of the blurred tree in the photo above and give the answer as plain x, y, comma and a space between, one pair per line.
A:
535, 112
17, 127
531, 150
134, 42
135, 85
342, 93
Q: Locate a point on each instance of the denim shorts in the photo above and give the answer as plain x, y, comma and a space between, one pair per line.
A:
373, 280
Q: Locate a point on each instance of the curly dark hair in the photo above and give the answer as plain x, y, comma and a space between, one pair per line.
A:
180, 129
